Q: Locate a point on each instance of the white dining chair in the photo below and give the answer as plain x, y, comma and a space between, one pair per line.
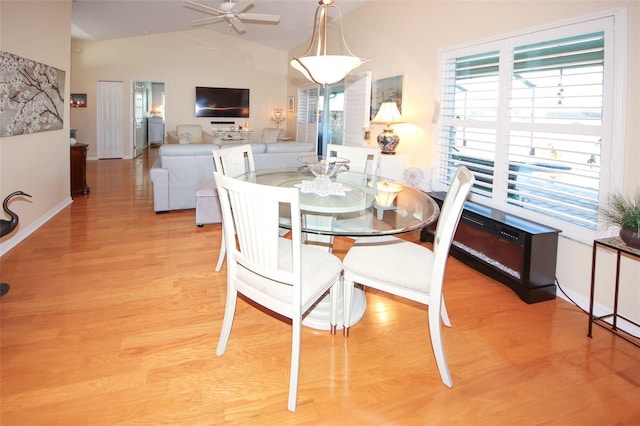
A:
362, 160
281, 274
410, 270
232, 161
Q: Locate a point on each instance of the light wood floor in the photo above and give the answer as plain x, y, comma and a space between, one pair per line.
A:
114, 313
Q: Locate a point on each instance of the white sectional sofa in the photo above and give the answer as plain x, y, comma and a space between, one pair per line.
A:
179, 168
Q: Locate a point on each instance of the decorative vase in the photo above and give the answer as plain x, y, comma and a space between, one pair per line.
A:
388, 141
630, 237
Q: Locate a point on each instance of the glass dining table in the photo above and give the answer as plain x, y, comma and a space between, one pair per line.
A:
351, 204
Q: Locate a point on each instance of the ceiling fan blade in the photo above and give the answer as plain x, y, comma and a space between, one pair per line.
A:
238, 25
202, 8
242, 6
259, 17
206, 21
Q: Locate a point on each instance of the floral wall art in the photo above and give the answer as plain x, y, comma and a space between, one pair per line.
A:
386, 90
31, 96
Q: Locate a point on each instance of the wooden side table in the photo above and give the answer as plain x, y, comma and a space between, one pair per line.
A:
78, 168
616, 244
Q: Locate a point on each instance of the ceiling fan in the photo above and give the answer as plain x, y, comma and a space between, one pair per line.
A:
231, 12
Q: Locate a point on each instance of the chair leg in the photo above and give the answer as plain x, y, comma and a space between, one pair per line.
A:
333, 296
444, 314
435, 330
227, 322
223, 251
347, 283
295, 363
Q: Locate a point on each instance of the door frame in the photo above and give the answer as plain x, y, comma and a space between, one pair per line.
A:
132, 115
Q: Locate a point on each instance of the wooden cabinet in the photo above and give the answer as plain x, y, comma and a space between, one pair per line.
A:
79, 169
155, 130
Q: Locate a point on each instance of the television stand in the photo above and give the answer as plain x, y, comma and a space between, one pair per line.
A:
514, 251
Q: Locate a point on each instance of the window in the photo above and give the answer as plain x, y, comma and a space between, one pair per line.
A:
532, 116
351, 103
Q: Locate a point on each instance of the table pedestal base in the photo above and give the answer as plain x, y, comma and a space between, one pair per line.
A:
319, 316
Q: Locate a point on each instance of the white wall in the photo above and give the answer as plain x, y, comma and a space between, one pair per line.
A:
182, 60
404, 39
37, 164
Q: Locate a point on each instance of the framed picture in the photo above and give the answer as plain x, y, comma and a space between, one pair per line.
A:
32, 96
386, 90
291, 104
78, 100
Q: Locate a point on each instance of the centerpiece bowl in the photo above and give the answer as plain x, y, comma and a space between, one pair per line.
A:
323, 166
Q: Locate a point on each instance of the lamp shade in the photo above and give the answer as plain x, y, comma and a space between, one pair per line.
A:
323, 68
386, 193
388, 114
326, 69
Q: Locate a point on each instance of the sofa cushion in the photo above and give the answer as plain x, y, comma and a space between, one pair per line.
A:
256, 148
180, 151
189, 133
290, 147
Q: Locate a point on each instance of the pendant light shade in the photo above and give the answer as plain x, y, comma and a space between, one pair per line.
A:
322, 68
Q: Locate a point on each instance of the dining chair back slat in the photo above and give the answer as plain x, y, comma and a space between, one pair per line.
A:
232, 161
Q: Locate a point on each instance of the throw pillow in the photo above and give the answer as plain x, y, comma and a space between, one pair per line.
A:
185, 138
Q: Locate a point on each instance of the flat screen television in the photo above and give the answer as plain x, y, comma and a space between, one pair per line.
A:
222, 102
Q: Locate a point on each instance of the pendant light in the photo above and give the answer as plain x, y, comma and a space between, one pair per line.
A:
322, 68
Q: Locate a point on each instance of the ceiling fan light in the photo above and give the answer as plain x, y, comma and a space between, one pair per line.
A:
326, 69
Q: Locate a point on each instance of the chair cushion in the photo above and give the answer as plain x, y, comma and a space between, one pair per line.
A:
397, 260
206, 188
318, 269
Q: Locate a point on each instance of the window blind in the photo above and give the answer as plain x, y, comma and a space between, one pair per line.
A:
534, 117
307, 122
555, 132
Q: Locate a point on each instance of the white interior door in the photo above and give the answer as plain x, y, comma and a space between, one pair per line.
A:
109, 123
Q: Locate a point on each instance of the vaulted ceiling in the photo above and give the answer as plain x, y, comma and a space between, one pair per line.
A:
109, 19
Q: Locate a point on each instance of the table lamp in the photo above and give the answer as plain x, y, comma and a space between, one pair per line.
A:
388, 114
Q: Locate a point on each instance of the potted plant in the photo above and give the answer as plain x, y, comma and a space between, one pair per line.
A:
624, 212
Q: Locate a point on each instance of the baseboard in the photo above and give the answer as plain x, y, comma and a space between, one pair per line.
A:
598, 310
23, 233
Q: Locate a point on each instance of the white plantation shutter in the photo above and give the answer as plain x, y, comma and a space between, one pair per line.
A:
555, 111
307, 124
357, 105
469, 118
532, 116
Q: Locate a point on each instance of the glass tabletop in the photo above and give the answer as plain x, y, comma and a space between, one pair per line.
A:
352, 204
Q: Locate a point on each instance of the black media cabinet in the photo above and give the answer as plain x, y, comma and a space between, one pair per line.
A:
515, 251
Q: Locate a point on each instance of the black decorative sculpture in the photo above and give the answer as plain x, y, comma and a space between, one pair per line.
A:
7, 226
